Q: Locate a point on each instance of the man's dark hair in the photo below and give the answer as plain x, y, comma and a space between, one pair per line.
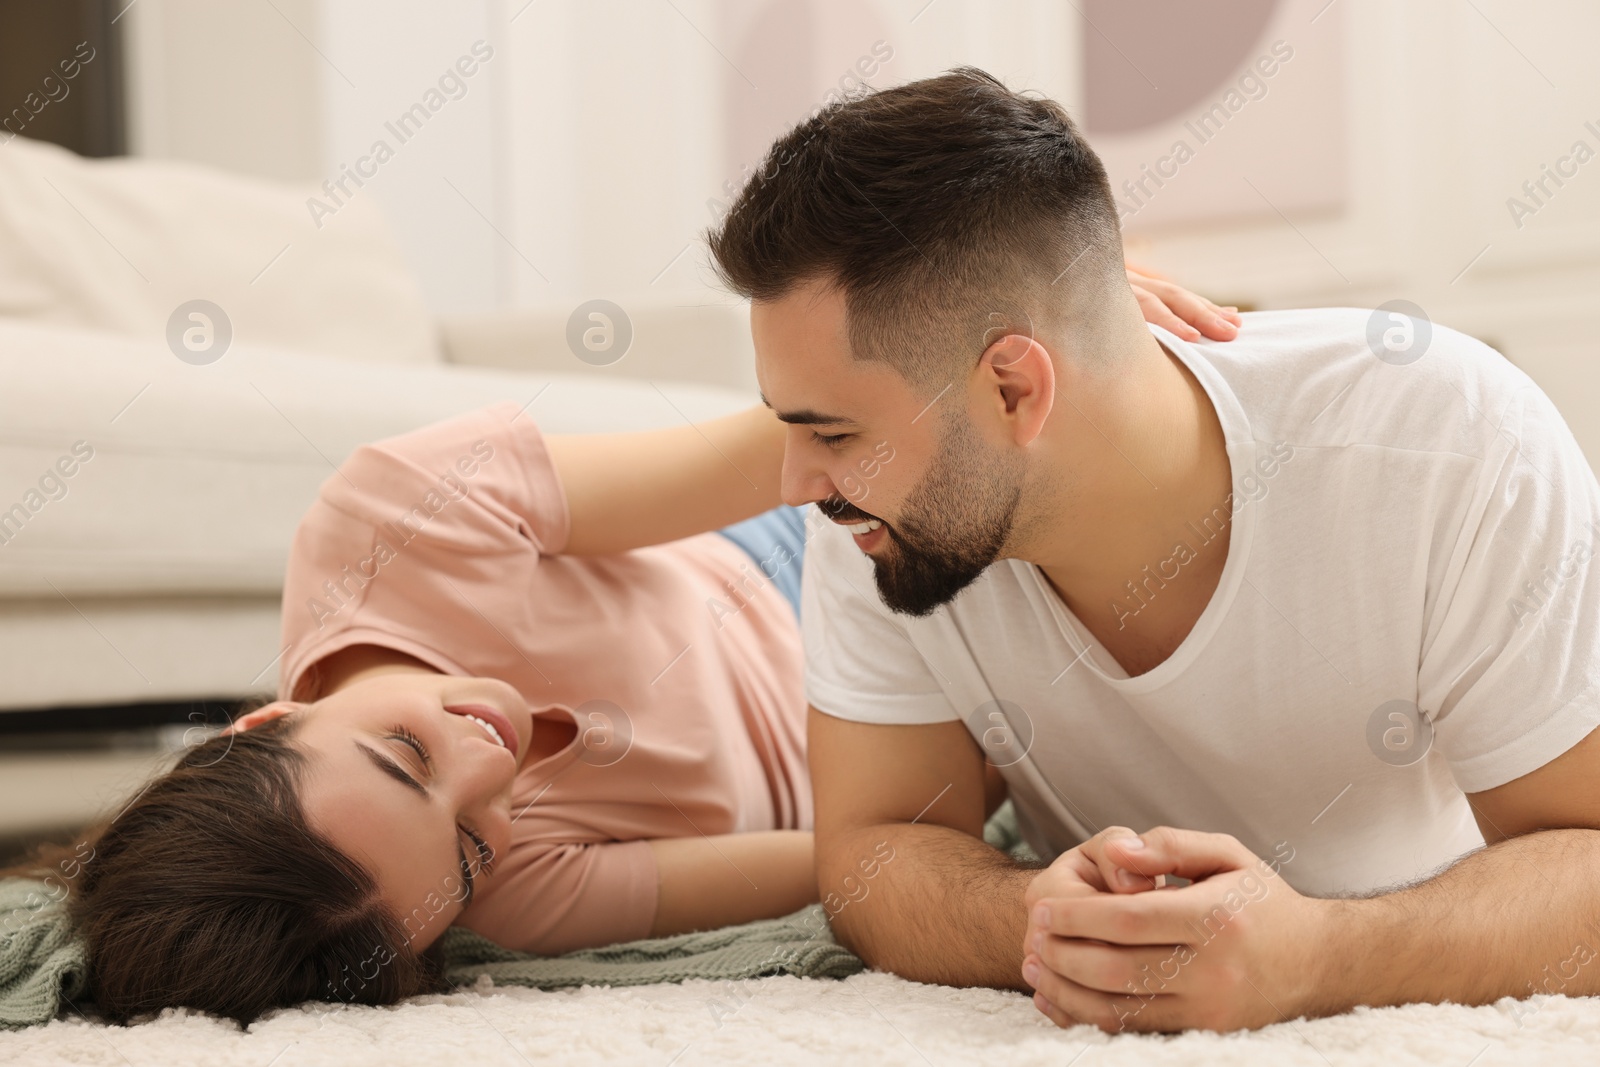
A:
941, 209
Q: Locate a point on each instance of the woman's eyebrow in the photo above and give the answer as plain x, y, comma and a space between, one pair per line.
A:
400, 774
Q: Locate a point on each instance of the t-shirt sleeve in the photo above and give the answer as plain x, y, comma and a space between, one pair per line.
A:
861, 663
414, 533
1513, 673
555, 898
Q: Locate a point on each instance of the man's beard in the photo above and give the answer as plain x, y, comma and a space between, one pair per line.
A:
952, 527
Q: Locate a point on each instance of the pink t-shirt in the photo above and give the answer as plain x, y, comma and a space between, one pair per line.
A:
683, 675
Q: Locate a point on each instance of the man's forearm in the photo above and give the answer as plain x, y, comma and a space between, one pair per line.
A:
943, 907
1514, 919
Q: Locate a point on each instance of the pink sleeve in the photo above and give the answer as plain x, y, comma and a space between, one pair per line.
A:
488, 459
416, 536
556, 898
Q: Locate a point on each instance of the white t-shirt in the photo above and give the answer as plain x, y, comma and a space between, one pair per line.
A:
1405, 536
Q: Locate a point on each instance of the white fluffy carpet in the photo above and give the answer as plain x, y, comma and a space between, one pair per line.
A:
868, 1019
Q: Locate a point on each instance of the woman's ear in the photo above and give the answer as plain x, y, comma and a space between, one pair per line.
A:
266, 713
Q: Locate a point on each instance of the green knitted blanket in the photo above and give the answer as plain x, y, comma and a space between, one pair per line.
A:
43, 965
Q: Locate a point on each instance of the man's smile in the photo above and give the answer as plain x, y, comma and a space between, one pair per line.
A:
867, 533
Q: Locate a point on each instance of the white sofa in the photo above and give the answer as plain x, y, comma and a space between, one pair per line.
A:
152, 571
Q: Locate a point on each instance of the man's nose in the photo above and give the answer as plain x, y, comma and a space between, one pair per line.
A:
804, 481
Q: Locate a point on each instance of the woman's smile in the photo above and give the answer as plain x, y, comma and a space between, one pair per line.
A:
494, 723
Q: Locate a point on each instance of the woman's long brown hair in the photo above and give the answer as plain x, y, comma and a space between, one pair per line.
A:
209, 890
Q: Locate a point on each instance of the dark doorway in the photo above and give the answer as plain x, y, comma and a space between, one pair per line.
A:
61, 74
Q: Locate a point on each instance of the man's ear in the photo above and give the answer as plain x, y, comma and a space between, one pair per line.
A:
1023, 375
266, 713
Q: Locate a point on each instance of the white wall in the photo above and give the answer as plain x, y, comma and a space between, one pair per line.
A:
445, 189
230, 83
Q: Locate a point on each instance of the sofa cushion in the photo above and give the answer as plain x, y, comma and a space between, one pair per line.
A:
125, 471
697, 342
120, 244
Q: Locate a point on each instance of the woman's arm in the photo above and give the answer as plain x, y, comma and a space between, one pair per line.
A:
706, 882
628, 490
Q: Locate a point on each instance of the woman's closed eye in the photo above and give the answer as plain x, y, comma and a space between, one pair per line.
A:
485, 854
404, 735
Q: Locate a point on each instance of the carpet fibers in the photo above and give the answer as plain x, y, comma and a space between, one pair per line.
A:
867, 1019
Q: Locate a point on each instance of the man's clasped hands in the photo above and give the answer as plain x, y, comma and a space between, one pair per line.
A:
1113, 939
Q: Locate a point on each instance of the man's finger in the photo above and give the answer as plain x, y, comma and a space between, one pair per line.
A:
1190, 854
1140, 970
1053, 1013
1194, 914
1134, 919
1121, 866
1110, 1012
1071, 874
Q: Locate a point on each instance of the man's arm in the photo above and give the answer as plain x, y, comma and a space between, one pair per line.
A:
1512, 920
1241, 949
909, 884
1520, 917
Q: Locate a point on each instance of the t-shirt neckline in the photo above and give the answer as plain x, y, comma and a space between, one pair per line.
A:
563, 755
1241, 450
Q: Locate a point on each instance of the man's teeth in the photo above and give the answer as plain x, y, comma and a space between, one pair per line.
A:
864, 527
490, 728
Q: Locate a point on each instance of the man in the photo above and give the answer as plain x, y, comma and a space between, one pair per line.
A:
1312, 610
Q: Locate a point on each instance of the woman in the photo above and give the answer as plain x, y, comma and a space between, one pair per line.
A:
528, 687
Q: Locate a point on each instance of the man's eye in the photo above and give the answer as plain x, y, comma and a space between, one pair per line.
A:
831, 440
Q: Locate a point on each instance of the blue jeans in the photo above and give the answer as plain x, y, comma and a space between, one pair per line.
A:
776, 540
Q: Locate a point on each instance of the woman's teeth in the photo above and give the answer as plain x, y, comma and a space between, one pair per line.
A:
492, 732
864, 527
